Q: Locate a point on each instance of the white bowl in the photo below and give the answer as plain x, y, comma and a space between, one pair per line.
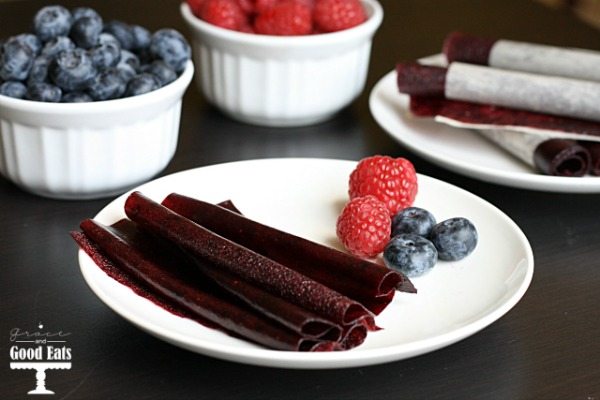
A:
90, 150
282, 80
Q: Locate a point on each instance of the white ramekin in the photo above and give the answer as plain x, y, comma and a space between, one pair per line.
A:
90, 150
282, 80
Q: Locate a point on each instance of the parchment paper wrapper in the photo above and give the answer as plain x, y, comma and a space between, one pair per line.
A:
545, 94
551, 152
523, 56
558, 157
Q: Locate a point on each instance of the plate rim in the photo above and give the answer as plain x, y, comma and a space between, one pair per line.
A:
299, 360
530, 181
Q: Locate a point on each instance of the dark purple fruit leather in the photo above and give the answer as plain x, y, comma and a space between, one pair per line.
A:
371, 284
245, 263
166, 277
466, 48
559, 157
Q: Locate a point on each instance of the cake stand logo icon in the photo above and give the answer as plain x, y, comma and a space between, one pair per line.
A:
39, 350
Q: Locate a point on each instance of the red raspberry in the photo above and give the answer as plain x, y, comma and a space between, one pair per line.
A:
261, 6
195, 6
286, 18
391, 180
364, 226
247, 6
224, 13
336, 15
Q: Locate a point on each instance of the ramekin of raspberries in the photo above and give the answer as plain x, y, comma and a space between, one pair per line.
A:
282, 62
75, 56
281, 17
89, 107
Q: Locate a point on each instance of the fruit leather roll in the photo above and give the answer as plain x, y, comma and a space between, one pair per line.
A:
369, 283
523, 56
523, 134
520, 90
155, 272
594, 149
290, 315
245, 263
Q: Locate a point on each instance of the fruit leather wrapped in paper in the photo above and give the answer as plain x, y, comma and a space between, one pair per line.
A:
573, 98
545, 141
549, 144
522, 56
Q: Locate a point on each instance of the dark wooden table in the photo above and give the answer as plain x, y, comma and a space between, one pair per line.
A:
547, 347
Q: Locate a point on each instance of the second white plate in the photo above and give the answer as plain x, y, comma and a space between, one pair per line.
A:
461, 150
304, 197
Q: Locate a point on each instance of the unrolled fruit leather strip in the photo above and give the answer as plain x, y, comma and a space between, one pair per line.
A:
248, 265
572, 98
369, 283
523, 56
106, 248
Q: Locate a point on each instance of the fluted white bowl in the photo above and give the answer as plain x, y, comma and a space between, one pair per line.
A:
90, 150
282, 80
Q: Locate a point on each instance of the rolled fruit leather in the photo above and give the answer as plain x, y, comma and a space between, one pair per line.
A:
522, 56
594, 149
369, 283
557, 157
547, 154
122, 259
248, 265
553, 95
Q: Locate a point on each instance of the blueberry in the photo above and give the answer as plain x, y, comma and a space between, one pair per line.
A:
162, 71
128, 66
413, 255
72, 70
141, 37
413, 220
56, 45
107, 38
30, 40
76, 97
107, 85
52, 21
80, 12
44, 92
171, 47
122, 32
39, 70
85, 31
454, 238
107, 53
126, 72
14, 89
142, 83
131, 59
15, 60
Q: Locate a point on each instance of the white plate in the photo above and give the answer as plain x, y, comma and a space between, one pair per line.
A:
461, 150
304, 196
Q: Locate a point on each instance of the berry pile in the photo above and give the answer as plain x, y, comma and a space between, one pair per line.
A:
380, 218
389, 183
74, 56
280, 17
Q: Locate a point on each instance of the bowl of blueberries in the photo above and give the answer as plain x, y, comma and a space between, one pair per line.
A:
89, 108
